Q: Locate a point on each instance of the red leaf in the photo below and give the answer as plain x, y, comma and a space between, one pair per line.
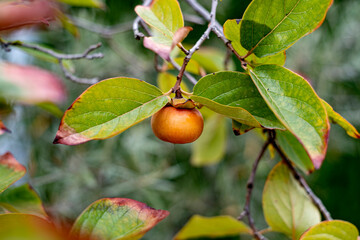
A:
34, 84
9, 161
3, 129
19, 13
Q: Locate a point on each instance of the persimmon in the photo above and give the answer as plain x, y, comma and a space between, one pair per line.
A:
177, 125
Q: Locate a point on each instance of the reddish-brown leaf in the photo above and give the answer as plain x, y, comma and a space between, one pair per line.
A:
31, 84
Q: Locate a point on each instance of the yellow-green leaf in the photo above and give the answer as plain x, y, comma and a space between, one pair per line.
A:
85, 3
210, 148
297, 106
287, 207
109, 108
294, 150
219, 226
16, 226
166, 81
167, 24
116, 219
331, 230
10, 171
22, 199
342, 122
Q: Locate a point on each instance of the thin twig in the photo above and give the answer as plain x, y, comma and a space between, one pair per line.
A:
137, 34
104, 31
186, 74
316, 200
249, 187
176, 88
218, 30
60, 57
203, 12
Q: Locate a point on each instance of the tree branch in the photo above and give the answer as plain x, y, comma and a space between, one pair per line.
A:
60, 57
203, 12
318, 203
137, 34
176, 88
249, 187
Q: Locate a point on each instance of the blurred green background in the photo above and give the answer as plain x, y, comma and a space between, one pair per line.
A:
136, 165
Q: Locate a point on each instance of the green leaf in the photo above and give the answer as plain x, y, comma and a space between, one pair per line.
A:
297, 106
234, 95
27, 227
116, 219
109, 108
342, 122
167, 24
232, 33
271, 26
192, 66
22, 199
239, 128
212, 59
294, 150
287, 207
68, 24
219, 226
331, 230
85, 3
166, 81
3, 128
210, 148
51, 108
10, 171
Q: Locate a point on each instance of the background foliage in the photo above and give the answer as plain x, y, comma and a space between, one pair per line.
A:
136, 165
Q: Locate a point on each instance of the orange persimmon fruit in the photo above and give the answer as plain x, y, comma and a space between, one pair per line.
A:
177, 125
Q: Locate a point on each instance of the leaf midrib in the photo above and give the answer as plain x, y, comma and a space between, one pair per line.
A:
272, 30
104, 123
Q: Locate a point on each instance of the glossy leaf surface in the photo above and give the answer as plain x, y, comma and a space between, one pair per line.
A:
167, 24
109, 108
294, 150
10, 171
27, 227
117, 219
22, 199
287, 207
30, 85
331, 230
232, 33
271, 26
297, 106
234, 95
342, 122
210, 148
219, 226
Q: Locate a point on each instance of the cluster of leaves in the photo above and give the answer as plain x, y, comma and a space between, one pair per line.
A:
266, 96
111, 218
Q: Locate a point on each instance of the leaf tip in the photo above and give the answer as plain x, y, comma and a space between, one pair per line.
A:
9, 160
